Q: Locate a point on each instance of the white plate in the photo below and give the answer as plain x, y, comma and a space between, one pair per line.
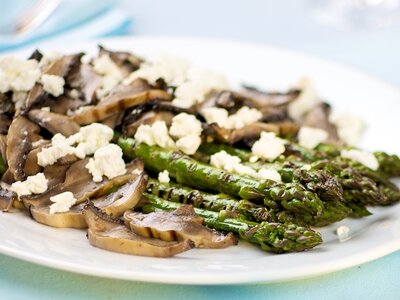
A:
346, 89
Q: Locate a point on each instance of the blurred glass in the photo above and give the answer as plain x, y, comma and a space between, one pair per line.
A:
356, 14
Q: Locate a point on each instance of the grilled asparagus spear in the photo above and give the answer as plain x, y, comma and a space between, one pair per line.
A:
272, 237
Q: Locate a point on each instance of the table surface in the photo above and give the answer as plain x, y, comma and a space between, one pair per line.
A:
286, 23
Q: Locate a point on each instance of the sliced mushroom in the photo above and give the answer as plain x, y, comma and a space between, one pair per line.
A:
7, 198
179, 225
60, 67
5, 123
53, 122
120, 99
228, 100
79, 181
126, 197
3, 153
261, 99
318, 117
126, 61
147, 118
110, 234
20, 136
85, 79
70, 219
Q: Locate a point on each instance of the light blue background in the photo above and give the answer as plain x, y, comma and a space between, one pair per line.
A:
284, 23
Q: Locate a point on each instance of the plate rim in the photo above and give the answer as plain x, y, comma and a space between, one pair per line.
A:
322, 268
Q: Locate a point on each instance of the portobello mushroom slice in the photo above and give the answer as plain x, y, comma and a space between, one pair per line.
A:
21, 135
70, 219
60, 67
318, 117
260, 99
118, 100
7, 198
53, 122
178, 225
111, 234
127, 62
129, 189
126, 197
83, 78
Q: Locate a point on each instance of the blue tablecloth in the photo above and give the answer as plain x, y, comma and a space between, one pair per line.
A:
284, 23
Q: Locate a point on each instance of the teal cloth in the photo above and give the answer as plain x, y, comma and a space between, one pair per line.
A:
374, 280
73, 18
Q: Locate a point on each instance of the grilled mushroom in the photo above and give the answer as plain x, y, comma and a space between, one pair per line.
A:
7, 198
179, 225
261, 99
60, 67
54, 123
20, 136
127, 62
128, 187
318, 117
120, 99
110, 234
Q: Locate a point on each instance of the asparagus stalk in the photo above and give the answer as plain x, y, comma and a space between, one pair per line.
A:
214, 202
272, 237
293, 197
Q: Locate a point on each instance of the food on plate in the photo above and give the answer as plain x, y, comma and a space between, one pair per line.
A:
156, 156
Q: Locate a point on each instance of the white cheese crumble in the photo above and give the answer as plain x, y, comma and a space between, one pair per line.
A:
364, 157
18, 75
88, 140
269, 146
156, 134
19, 99
243, 117
163, 176
53, 84
343, 233
50, 57
189, 144
62, 202
45, 108
270, 174
107, 161
74, 93
112, 75
307, 99
36, 184
184, 124
232, 164
349, 128
311, 137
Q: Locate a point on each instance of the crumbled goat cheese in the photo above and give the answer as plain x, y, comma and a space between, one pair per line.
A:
215, 115
189, 144
59, 148
62, 202
311, 137
363, 157
156, 134
172, 69
243, 117
74, 93
53, 84
184, 124
163, 176
18, 75
106, 161
112, 75
307, 99
45, 108
49, 57
270, 174
343, 233
306, 167
269, 146
349, 128
198, 84
35, 184
88, 140
160, 134
19, 99
232, 164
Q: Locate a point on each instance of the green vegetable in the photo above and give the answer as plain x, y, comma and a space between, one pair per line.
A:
272, 237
